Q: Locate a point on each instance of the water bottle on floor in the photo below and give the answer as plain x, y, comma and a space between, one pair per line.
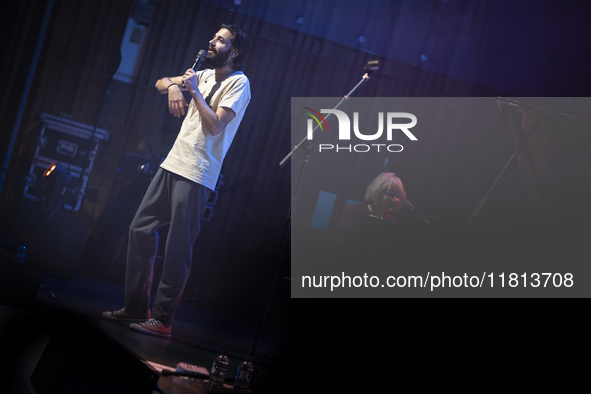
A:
243, 377
218, 374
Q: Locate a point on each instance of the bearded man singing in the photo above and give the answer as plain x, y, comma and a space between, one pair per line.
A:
178, 193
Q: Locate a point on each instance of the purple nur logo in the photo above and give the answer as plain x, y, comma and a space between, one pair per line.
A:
345, 129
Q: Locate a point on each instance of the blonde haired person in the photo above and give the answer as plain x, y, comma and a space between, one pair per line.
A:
383, 197
385, 194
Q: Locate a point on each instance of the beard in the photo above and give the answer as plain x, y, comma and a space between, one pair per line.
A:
217, 59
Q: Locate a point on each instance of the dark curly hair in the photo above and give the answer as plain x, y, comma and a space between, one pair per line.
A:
239, 43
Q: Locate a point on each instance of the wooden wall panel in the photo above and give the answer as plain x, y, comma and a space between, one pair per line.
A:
80, 58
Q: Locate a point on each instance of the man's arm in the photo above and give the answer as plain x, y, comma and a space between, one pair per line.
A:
176, 100
163, 84
213, 122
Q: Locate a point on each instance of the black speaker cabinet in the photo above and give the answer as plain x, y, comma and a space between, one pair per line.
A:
18, 283
79, 358
54, 240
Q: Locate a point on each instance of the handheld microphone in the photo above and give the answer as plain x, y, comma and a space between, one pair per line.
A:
200, 56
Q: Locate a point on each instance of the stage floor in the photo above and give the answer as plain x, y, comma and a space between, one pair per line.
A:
199, 333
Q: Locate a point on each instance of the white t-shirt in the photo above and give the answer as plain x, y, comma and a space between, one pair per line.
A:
196, 155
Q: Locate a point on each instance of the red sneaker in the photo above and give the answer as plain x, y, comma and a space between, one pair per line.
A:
152, 327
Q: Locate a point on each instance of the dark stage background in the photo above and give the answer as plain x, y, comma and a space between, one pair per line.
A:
425, 48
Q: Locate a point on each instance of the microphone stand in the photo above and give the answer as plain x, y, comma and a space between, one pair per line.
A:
412, 208
307, 150
365, 78
369, 68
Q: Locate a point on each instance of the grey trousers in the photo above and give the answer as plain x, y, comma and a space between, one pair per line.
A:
174, 200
